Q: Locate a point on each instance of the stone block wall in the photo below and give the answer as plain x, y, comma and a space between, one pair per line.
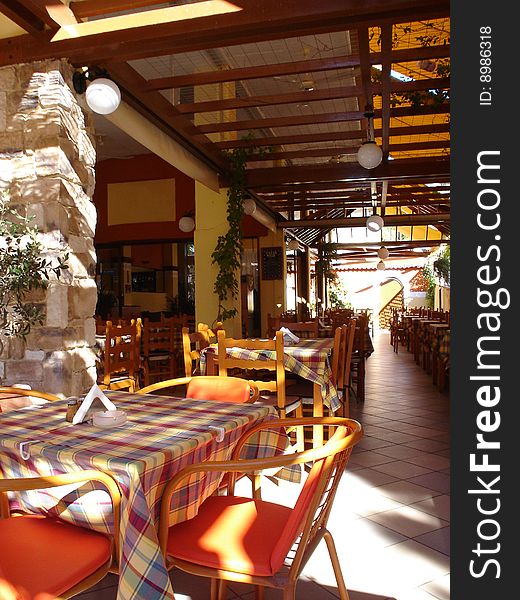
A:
47, 161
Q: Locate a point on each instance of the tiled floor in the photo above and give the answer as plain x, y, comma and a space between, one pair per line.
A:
391, 518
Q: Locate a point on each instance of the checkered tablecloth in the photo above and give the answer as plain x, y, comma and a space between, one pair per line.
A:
162, 435
309, 359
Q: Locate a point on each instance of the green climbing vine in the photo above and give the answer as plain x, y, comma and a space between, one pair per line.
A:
228, 251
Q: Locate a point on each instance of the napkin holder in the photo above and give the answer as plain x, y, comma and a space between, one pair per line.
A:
94, 401
288, 336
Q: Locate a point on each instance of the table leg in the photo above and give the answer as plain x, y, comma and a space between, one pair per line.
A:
317, 412
211, 364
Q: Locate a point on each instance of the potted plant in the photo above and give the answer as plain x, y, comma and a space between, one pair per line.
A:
24, 268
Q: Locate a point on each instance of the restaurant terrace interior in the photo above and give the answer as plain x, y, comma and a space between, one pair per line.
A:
217, 216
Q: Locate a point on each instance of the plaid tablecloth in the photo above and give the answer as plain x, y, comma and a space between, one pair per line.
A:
309, 359
162, 435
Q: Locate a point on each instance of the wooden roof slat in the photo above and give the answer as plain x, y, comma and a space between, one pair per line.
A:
427, 170
307, 138
400, 111
345, 150
308, 96
27, 15
293, 68
177, 125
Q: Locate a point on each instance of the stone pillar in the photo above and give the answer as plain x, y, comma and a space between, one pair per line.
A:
47, 164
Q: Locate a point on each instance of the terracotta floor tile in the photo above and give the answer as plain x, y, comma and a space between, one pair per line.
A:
438, 540
408, 521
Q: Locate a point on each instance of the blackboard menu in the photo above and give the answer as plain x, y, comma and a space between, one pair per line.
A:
272, 263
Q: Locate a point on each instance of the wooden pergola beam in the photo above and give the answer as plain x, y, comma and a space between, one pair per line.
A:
290, 18
338, 117
427, 170
307, 138
294, 68
332, 93
345, 151
401, 220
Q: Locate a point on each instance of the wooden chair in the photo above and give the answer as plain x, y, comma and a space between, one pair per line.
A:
252, 541
159, 357
271, 370
43, 556
17, 397
303, 329
210, 387
340, 368
121, 356
358, 362
192, 344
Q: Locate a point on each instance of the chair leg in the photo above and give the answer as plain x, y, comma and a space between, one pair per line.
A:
213, 589
259, 592
222, 589
289, 592
331, 547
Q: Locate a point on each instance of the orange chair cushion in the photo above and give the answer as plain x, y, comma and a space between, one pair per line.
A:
43, 555
236, 534
219, 389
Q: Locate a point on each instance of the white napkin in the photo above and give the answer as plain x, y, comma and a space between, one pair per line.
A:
288, 336
93, 402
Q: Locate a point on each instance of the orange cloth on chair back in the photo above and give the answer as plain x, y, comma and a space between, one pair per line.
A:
219, 389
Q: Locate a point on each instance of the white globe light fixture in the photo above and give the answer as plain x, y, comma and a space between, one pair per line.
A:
103, 96
383, 253
293, 244
186, 224
249, 206
380, 265
375, 223
369, 155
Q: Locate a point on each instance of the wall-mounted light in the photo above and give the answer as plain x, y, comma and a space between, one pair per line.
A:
383, 252
369, 154
293, 244
187, 223
375, 223
102, 94
249, 206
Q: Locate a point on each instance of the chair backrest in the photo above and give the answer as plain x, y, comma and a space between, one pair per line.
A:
121, 353
210, 387
349, 335
19, 391
361, 334
222, 389
13, 397
192, 344
158, 336
338, 355
304, 329
273, 361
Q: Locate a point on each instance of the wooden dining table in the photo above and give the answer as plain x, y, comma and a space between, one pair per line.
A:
161, 436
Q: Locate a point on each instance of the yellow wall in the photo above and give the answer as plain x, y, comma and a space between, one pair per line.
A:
211, 221
141, 201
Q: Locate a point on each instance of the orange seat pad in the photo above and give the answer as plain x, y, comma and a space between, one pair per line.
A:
236, 534
44, 555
